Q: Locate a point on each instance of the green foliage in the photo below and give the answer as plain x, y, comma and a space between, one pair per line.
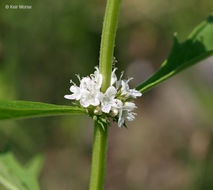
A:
24, 109
197, 47
15, 177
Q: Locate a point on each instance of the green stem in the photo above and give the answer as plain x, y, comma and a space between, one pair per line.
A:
105, 66
108, 41
98, 157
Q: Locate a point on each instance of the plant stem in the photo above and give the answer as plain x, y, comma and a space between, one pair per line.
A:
98, 157
105, 66
108, 41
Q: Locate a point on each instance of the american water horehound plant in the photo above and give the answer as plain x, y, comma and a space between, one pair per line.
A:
102, 96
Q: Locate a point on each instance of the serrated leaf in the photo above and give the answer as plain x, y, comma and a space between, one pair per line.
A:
13, 176
197, 47
26, 109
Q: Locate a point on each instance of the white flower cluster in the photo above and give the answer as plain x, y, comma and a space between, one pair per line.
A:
115, 102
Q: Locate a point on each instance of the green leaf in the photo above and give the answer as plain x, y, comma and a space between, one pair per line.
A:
197, 47
26, 109
13, 176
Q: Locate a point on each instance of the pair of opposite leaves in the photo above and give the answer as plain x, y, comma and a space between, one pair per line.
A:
198, 46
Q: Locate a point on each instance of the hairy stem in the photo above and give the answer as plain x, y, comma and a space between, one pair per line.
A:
105, 66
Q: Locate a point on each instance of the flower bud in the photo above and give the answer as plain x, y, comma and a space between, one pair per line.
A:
114, 112
97, 111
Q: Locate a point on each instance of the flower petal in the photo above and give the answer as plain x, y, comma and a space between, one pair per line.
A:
69, 97
113, 77
111, 92
121, 119
106, 108
129, 106
95, 102
84, 103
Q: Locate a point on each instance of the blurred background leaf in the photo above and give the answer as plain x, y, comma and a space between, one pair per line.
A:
15, 177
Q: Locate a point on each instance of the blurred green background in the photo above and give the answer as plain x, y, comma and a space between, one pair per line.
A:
168, 147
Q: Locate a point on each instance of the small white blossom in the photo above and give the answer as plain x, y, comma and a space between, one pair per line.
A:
113, 103
107, 99
89, 98
125, 90
97, 78
76, 93
126, 113
117, 104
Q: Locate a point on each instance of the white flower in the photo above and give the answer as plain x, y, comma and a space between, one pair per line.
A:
113, 102
97, 78
126, 113
76, 93
117, 105
89, 98
107, 99
87, 84
125, 90
90, 91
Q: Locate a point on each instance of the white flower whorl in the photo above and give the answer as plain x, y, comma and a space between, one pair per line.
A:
115, 102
